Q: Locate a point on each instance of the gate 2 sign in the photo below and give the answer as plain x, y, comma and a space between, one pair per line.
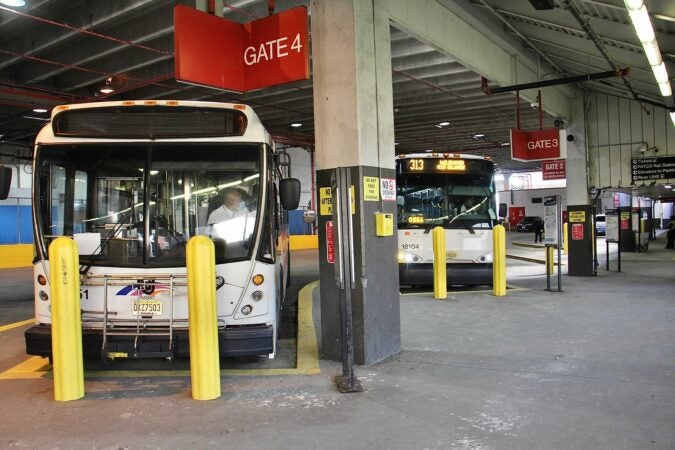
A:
220, 53
538, 145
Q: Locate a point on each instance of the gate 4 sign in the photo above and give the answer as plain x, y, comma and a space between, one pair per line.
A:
216, 52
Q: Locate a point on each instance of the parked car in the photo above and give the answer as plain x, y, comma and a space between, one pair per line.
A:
527, 223
600, 225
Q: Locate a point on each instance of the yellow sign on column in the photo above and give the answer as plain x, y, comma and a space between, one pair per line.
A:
371, 189
325, 201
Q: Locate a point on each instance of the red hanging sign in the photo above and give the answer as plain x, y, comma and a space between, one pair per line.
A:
220, 53
538, 145
553, 170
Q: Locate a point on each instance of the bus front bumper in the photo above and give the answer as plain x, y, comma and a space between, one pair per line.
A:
234, 341
459, 274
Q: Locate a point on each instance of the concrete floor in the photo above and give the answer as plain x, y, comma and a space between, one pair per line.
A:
592, 367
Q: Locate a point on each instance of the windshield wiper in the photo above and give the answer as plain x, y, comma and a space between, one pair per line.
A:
106, 240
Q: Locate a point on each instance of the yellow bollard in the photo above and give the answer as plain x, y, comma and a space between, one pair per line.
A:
440, 271
565, 243
64, 281
499, 261
203, 319
551, 263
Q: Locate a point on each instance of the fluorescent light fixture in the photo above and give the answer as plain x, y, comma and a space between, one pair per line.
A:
660, 73
40, 110
15, 3
45, 119
505, 144
296, 125
478, 136
633, 4
395, 143
429, 150
642, 24
106, 90
666, 91
667, 186
444, 124
652, 52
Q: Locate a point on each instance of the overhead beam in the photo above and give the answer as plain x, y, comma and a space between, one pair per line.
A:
446, 27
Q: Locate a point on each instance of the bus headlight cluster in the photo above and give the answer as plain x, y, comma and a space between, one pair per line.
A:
486, 258
43, 296
407, 257
246, 310
257, 296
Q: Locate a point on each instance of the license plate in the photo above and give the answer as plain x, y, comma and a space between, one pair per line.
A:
147, 308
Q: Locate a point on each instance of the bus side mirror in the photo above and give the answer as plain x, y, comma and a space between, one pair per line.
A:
5, 181
502, 210
289, 191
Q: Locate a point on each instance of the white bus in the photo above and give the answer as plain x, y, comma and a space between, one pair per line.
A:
131, 182
453, 191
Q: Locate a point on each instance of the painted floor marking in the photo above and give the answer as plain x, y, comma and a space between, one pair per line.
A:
307, 362
510, 287
11, 326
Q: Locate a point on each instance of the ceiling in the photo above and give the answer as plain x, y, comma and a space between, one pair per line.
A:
62, 51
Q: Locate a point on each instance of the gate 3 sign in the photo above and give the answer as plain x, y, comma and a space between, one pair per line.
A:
538, 145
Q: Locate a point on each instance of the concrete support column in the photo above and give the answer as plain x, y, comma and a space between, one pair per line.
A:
354, 128
580, 221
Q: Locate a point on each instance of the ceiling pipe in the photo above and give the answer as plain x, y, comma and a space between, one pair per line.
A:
539, 84
585, 25
83, 31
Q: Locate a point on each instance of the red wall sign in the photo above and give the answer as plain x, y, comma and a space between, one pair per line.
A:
330, 242
538, 145
553, 170
577, 231
220, 53
515, 214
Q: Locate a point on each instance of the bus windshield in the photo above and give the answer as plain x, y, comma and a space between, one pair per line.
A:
448, 200
137, 204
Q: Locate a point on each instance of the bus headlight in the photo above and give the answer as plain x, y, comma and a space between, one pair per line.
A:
246, 310
257, 295
42, 280
43, 296
486, 258
407, 257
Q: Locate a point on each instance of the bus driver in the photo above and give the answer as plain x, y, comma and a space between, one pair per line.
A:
233, 206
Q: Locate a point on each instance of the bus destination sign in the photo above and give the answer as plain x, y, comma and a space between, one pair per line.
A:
436, 165
653, 168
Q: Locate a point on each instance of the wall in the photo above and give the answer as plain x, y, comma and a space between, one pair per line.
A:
524, 198
616, 128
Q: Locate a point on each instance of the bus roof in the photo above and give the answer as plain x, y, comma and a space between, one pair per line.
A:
255, 131
435, 155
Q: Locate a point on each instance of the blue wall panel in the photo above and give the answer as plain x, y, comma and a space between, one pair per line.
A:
9, 224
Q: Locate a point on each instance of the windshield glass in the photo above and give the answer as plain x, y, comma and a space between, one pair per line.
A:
138, 204
447, 200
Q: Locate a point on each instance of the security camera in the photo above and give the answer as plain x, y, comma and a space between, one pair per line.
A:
643, 147
560, 122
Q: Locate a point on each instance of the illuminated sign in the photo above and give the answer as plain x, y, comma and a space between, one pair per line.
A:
436, 165
416, 219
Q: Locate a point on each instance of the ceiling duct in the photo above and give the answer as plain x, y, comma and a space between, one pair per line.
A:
542, 4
